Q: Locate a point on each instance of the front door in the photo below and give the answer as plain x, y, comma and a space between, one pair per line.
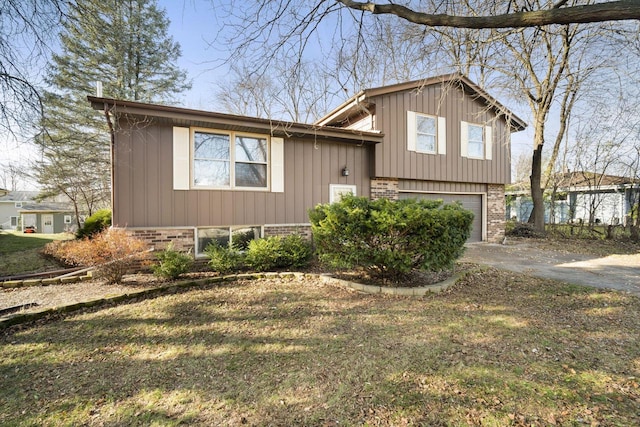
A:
47, 224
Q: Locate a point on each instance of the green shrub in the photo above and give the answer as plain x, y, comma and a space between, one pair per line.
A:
224, 259
171, 263
96, 223
390, 238
240, 240
297, 251
278, 252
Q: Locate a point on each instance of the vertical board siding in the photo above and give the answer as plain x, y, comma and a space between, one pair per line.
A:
392, 159
144, 195
442, 186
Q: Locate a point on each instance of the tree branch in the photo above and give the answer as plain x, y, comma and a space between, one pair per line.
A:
599, 12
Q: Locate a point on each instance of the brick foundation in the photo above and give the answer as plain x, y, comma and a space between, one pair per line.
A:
384, 188
495, 213
287, 229
182, 239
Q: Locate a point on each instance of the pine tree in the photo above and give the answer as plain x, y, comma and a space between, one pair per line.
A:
124, 45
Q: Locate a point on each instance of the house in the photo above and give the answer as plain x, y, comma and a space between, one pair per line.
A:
580, 196
48, 218
192, 177
19, 210
10, 204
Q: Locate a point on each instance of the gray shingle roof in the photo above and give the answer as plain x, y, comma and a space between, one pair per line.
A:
19, 196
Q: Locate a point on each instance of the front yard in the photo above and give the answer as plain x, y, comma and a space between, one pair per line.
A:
499, 348
20, 252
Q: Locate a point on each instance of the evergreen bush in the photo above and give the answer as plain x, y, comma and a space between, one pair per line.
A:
390, 238
278, 252
224, 259
96, 223
171, 263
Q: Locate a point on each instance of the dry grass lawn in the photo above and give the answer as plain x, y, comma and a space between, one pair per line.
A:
497, 349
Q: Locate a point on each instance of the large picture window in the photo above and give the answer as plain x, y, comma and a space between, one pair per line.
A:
229, 160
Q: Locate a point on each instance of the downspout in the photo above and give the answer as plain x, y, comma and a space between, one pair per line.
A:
112, 155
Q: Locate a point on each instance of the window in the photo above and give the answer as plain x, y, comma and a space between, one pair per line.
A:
336, 191
67, 219
476, 141
18, 205
426, 134
229, 160
239, 237
212, 159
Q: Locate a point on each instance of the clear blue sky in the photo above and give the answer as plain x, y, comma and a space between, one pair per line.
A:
194, 24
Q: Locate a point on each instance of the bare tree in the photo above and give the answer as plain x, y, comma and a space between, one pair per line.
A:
287, 91
540, 65
26, 31
11, 175
533, 14
605, 145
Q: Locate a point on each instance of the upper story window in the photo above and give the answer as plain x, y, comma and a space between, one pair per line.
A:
476, 141
426, 134
18, 205
229, 160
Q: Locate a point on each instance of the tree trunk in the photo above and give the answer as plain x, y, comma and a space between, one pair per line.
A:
537, 192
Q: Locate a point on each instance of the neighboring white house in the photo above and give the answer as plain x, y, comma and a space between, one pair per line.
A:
19, 209
11, 202
580, 197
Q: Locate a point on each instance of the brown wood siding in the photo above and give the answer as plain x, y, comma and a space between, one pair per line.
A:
144, 195
441, 187
392, 159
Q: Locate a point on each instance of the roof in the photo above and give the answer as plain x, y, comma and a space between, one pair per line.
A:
590, 179
19, 196
45, 207
355, 104
579, 181
189, 117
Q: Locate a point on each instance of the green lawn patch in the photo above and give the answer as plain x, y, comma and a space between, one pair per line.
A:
496, 349
20, 252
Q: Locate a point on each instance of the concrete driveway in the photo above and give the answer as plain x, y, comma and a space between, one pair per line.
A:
621, 272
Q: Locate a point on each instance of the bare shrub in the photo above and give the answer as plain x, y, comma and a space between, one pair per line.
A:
112, 252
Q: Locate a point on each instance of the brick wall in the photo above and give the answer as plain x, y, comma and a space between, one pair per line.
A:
384, 188
287, 229
495, 213
182, 239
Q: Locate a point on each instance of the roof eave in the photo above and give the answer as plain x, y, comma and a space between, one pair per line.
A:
516, 124
272, 127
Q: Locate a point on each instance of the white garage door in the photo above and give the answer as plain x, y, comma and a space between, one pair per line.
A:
472, 202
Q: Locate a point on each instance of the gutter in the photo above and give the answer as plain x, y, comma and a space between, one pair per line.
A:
111, 151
